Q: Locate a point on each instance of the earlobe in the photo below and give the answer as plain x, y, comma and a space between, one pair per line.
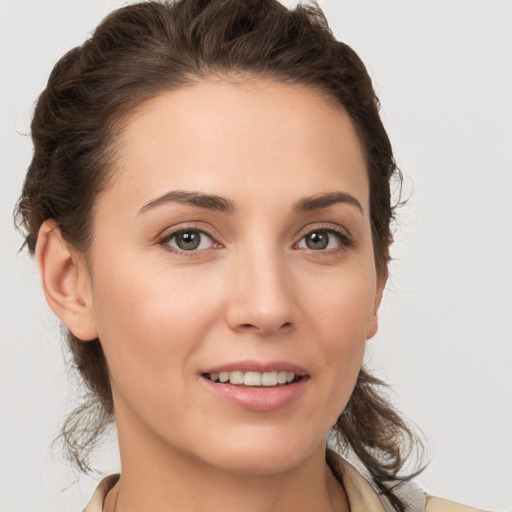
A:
373, 326
65, 282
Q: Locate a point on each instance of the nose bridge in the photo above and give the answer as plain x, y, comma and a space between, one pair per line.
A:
262, 297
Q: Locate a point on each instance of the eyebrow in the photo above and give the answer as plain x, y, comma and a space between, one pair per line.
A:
325, 200
218, 203
211, 202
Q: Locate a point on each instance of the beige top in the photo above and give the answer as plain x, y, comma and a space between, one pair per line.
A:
362, 497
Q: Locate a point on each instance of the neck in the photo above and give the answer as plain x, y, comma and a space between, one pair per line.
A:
154, 479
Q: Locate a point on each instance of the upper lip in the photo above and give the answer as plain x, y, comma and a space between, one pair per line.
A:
258, 366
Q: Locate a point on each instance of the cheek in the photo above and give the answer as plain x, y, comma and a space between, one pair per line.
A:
339, 319
148, 321
344, 343
342, 304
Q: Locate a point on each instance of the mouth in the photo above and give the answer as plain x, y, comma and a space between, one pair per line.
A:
257, 386
254, 379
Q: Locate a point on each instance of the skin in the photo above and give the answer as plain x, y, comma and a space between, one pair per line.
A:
253, 290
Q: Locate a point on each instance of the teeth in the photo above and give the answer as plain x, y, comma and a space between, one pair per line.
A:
265, 379
236, 377
281, 377
269, 378
252, 379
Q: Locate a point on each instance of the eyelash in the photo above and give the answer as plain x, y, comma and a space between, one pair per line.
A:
345, 241
168, 236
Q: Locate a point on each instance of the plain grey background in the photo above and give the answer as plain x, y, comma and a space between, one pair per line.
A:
443, 72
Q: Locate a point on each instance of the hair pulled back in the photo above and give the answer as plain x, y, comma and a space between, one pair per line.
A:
143, 49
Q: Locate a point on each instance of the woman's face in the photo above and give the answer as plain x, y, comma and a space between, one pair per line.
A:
234, 243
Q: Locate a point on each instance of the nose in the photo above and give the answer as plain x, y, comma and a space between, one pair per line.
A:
261, 297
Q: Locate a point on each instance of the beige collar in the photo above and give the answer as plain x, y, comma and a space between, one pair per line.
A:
361, 495
96, 502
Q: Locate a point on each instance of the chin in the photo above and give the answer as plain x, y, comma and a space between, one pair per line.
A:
262, 453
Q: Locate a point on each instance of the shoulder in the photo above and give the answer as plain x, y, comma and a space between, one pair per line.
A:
96, 502
435, 504
418, 500
364, 497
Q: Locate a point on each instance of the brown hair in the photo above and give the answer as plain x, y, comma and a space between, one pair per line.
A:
141, 50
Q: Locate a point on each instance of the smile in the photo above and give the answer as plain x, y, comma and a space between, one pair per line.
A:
257, 386
254, 379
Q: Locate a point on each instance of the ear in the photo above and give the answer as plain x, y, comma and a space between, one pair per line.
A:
65, 282
373, 326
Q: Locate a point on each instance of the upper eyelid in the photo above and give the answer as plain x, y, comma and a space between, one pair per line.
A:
169, 232
325, 226
172, 234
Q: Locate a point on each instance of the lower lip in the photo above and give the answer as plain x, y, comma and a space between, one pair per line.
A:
259, 398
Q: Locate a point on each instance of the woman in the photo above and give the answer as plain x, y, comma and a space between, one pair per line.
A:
209, 205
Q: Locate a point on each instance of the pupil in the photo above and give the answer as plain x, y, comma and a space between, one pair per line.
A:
317, 240
188, 241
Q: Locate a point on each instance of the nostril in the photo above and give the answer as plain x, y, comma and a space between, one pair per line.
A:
248, 326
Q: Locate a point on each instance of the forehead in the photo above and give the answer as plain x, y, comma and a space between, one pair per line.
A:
245, 139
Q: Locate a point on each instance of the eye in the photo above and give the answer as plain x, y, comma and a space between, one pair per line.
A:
323, 239
188, 240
